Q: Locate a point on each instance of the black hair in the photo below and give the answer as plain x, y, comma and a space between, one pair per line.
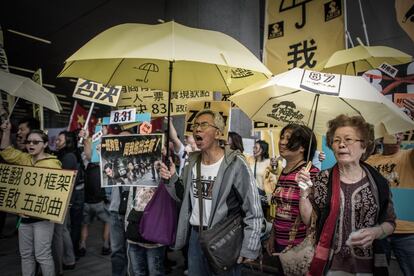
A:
236, 141
108, 165
31, 122
301, 137
43, 136
70, 140
265, 148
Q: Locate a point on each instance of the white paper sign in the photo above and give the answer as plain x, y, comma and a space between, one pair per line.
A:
322, 83
388, 69
122, 116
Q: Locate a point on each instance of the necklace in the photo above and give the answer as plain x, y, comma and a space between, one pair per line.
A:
343, 176
294, 167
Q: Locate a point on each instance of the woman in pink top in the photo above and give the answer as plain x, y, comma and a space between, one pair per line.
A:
294, 148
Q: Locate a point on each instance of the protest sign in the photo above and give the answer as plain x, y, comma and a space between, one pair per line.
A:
156, 101
35, 192
301, 33
96, 92
130, 160
196, 106
96, 140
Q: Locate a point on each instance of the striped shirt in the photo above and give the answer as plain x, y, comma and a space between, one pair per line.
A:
286, 197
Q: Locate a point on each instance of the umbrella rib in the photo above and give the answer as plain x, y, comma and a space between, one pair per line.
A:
356, 110
228, 89
113, 73
271, 98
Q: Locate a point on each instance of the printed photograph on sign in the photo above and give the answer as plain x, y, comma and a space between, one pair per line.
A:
224, 108
399, 89
131, 160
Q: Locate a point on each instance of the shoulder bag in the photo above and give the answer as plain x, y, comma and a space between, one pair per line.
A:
296, 259
226, 234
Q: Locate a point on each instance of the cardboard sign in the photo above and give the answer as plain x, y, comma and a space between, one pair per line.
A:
194, 107
96, 92
301, 33
130, 160
156, 101
122, 116
36, 192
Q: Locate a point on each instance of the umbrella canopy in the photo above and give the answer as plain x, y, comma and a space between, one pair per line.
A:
293, 96
140, 55
29, 90
362, 58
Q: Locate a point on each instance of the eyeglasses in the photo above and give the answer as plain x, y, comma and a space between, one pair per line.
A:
203, 126
34, 142
346, 141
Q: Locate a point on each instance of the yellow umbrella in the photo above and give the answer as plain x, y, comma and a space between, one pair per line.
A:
297, 95
167, 56
362, 58
143, 55
25, 88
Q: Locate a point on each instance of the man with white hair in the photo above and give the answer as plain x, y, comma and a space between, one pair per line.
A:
219, 166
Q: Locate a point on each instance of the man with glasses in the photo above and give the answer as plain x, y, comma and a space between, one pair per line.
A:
25, 125
219, 166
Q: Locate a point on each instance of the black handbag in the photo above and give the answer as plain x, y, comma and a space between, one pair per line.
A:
123, 201
222, 243
264, 266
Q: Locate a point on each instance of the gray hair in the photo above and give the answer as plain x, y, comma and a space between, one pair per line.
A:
217, 118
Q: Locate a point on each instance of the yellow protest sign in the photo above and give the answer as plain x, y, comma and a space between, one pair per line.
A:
96, 92
302, 33
194, 107
36, 192
156, 101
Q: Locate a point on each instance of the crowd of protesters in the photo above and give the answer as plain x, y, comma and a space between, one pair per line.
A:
351, 202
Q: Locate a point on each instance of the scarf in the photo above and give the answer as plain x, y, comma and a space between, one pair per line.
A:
320, 259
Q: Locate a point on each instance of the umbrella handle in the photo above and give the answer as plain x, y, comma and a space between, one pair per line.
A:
11, 111
85, 126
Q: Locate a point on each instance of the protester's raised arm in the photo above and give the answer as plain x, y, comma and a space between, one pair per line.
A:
5, 139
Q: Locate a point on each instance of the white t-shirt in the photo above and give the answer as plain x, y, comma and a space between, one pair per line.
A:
208, 176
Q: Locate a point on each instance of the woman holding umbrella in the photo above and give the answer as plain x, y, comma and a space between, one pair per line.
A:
295, 149
35, 235
352, 202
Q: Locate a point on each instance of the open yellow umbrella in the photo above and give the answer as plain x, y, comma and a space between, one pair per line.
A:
297, 95
143, 55
25, 88
362, 58
167, 56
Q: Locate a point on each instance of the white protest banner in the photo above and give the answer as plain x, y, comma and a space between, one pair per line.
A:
122, 116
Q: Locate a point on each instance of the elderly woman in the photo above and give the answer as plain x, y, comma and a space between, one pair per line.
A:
352, 202
288, 229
